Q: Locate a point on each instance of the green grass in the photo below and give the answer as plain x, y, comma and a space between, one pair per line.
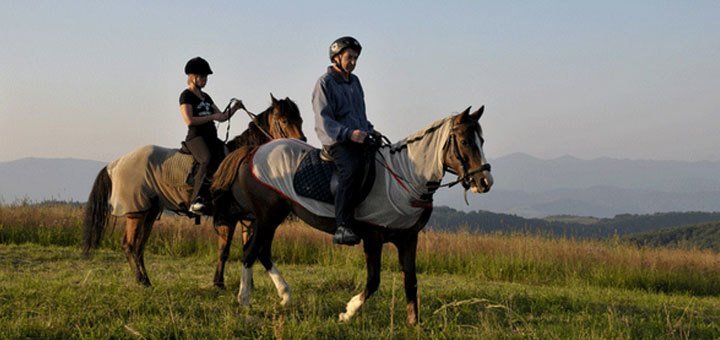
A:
470, 286
53, 292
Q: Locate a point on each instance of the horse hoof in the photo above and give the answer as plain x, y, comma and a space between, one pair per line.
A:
244, 299
285, 301
220, 285
344, 317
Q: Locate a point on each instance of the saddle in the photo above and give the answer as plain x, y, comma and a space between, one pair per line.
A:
315, 177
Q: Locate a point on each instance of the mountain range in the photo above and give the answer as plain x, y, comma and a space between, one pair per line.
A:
524, 185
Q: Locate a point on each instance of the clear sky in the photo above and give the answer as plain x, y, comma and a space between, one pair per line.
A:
621, 79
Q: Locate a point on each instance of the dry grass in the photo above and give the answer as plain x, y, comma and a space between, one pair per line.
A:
515, 258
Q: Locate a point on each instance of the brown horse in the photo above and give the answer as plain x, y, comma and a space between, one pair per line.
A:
147, 197
396, 209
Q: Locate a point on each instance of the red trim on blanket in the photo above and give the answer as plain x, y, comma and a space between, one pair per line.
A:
267, 185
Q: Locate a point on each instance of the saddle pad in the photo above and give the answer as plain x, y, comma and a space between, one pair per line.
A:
387, 205
148, 173
312, 178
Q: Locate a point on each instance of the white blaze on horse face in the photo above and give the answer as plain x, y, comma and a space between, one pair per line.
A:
283, 289
483, 160
352, 307
245, 286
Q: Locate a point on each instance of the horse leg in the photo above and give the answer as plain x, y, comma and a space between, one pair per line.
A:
225, 235
283, 290
245, 234
249, 256
148, 222
259, 247
130, 244
407, 250
373, 255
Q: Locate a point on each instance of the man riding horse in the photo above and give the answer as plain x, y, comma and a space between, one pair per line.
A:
342, 127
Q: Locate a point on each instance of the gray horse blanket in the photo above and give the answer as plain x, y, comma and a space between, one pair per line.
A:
150, 173
403, 172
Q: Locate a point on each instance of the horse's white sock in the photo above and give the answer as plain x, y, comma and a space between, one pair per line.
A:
283, 289
245, 286
352, 307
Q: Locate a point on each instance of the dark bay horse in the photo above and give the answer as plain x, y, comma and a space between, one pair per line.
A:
147, 198
407, 175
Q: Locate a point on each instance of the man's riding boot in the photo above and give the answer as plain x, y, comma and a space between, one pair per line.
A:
345, 235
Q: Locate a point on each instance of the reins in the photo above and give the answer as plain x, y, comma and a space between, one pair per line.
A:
232, 102
464, 178
253, 118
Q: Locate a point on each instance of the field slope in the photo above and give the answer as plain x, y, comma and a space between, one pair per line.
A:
470, 286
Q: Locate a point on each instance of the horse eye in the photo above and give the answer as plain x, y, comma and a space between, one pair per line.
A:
464, 142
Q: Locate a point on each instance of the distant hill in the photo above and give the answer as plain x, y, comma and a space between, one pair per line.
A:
41, 179
524, 185
701, 236
445, 218
603, 187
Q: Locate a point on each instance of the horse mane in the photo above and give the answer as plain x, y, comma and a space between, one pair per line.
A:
419, 135
252, 135
228, 169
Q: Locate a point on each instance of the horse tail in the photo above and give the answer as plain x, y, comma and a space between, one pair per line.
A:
97, 210
228, 170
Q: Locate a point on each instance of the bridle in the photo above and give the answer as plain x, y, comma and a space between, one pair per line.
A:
255, 119
465, 176
276, 124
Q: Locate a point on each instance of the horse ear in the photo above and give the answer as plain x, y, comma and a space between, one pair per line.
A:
465, 113
477, 114
274, 101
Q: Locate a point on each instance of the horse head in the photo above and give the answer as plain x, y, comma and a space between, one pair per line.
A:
284, 120
464, 154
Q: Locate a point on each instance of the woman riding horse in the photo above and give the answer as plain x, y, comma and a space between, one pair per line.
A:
199, 113
141, 201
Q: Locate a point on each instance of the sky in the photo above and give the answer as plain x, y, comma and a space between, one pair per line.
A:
589, 79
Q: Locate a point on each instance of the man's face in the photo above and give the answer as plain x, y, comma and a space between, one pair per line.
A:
348, 59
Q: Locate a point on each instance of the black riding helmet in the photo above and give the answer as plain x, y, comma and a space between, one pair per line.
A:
341, 44
198, 65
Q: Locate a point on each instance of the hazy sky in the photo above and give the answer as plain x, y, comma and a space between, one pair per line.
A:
621, 79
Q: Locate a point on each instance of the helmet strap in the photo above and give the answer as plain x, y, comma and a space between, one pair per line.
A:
338, 65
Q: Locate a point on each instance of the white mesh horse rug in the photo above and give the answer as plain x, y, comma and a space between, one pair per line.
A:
400, 191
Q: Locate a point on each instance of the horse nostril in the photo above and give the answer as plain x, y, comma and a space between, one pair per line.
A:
303, 138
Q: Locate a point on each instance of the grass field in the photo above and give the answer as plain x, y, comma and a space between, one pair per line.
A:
470, 286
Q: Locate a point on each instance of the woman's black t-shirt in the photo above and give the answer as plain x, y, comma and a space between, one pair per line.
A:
200, 108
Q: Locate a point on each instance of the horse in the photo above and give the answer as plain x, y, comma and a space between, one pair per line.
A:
142, 197
397, 207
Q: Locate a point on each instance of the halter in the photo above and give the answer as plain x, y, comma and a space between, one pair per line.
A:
466, 175
254, 119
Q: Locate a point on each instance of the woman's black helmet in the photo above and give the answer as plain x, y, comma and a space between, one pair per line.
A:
341, 44
198, 65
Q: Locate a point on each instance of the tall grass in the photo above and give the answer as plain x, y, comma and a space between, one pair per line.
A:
490, 257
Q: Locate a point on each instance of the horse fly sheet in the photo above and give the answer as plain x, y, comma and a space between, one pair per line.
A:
149, 173
401, 189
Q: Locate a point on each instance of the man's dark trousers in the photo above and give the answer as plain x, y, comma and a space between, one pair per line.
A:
349, 158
